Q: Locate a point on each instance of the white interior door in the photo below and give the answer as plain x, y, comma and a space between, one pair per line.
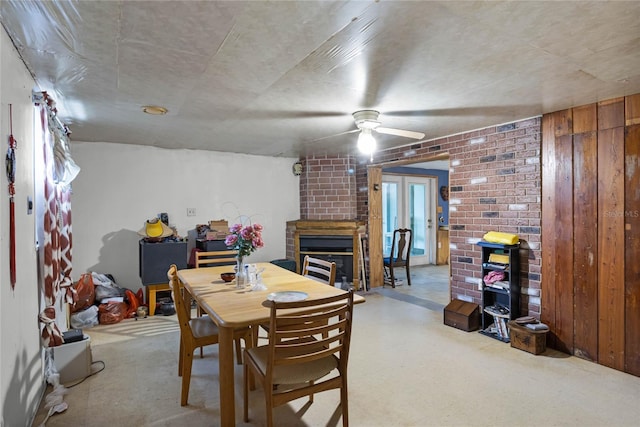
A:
409, 202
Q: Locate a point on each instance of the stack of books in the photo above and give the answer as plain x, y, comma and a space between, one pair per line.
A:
501, 316
532, 323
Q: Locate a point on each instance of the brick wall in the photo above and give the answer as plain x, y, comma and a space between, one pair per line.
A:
327, 191
494, 184
327, 188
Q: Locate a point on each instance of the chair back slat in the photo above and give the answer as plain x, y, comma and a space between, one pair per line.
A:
215, 258
322, 316
320, 270
308, 355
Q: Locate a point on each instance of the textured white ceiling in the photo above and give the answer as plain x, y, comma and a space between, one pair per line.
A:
280, 78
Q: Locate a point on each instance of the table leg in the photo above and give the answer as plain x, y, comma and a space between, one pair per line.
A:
227, 392
151, 299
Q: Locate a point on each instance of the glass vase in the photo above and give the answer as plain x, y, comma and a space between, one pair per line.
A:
241, 273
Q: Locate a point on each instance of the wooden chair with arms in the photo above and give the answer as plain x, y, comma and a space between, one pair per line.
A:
320, 270
400, 252
296, 358
194, 333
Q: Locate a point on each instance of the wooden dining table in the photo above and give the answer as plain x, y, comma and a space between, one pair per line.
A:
231, 308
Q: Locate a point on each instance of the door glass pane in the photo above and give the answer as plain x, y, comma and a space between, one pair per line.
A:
417, 218
389, 214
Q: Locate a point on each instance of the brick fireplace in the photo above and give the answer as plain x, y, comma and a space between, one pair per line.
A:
336, 241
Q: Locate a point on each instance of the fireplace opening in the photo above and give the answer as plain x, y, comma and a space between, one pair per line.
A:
338, 249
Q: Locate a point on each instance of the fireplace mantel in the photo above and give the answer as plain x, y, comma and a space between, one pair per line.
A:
327, 228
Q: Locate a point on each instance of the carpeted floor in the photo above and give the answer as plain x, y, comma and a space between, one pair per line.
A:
406, 368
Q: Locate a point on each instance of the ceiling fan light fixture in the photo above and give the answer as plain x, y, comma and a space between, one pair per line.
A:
366, 141
366, 119
154, 110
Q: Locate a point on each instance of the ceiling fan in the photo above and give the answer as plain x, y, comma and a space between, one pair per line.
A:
367, 123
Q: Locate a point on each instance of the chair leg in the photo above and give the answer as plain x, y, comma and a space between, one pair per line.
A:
250, 341
238, 352
245, 370
344, 402
268, 392
393, 278
199, 313
186, 377
408, 275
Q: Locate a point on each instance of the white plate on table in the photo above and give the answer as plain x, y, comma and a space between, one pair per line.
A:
287, 296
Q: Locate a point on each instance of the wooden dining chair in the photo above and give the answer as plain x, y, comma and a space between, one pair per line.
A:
313, 268
295, 358
194, 333
399, 256
214, 259
320, 270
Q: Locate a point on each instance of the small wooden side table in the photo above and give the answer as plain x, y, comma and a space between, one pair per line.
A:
151, 295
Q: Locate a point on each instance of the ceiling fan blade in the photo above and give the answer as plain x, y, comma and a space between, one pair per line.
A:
400, 132
290, 114
456, 112
334, 135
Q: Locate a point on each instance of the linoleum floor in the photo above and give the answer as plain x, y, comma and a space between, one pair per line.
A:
406, 368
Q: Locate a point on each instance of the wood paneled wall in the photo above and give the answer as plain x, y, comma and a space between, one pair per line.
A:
591, 231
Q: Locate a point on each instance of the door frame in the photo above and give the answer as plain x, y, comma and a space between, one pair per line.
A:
374, 197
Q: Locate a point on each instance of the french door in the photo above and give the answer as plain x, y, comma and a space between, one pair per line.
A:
409, 202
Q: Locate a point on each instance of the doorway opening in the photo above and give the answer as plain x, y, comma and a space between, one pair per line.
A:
408, 201
409, 194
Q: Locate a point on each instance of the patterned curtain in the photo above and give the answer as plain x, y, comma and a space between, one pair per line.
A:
59, 171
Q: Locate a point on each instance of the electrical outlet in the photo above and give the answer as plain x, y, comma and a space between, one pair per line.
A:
191, 211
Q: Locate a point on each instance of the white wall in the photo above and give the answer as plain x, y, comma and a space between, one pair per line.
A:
120, 186
21, 375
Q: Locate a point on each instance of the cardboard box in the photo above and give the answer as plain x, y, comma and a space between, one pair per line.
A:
218, 229
462, 315
526, 339
215, 235
219, 225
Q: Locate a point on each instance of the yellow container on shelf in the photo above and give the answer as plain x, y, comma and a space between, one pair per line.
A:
499, 258
501, 238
